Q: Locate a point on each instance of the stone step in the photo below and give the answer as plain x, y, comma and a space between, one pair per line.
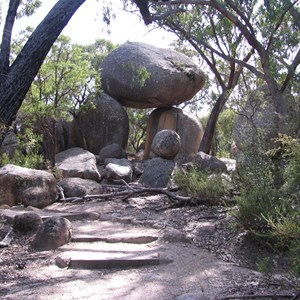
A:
130, 240
101, 255
97, 264
112, 232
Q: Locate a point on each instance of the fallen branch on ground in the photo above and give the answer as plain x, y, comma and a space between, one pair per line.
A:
125, 194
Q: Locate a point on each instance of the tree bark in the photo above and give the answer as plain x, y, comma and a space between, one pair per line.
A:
6, 37
210, 128
15, 85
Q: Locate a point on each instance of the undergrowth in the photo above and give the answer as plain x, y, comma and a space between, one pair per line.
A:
200, 184
269, 200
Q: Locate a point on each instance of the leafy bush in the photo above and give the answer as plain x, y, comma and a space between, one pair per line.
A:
295, 256
27, 153
255, 205
200, 184
268, 209
33, 160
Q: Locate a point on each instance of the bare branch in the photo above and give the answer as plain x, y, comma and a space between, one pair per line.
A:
291, 71
167, 14
243, 17
129, 193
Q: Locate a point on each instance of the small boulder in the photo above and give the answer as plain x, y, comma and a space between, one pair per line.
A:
111, 151
78, 187
187, 126
174, 235
76, 162
118, 169
53, 233
139, 75
25, 186
166, 144
208, 163
26, 223
157, 173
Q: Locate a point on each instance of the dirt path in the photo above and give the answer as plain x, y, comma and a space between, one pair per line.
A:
180, 269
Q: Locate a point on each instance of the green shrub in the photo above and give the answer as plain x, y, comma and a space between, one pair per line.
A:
255, 205
269, 207
28, 153
295, 256
33, 160
291, 154
200, 184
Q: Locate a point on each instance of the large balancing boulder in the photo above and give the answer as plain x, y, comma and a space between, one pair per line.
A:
187, 126
25, 186
139, 75
102, 122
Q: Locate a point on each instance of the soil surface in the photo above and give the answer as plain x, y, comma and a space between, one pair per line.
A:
208, 256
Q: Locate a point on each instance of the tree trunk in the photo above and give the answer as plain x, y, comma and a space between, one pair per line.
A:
280, 104
6, 37
210, 128
15, 85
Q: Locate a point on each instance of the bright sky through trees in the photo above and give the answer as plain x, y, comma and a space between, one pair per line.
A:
86, 25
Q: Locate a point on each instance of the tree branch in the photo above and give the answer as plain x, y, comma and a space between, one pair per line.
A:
129, 193
278, 25
294, 13
14, 87
6, 37
242, 16
291, 71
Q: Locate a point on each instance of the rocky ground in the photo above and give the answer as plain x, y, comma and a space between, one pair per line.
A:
213, 259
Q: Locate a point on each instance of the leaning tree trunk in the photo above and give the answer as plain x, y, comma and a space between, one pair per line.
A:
15, 85
210, 128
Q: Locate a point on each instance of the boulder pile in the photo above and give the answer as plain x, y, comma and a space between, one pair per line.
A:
134, 75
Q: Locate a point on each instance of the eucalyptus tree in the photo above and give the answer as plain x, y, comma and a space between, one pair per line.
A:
69, 75
16, 76
261, 37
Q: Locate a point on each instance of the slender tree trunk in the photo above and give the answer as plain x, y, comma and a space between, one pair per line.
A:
6, 37
210, 128
15, 85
